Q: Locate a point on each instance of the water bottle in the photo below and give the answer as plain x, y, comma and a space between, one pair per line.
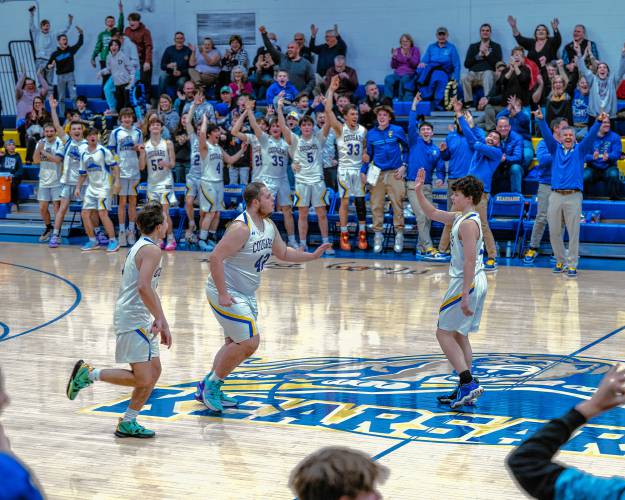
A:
508, 249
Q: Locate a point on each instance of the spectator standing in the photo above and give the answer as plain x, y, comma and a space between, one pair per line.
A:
262, 77
101, 49
63, 59
404, 62
122, 72
602, 91
25, 93
558, 103
601, 162
175, 64
348, 78
301, 73
235, 55
541, 49
511, 164
580, 108
439, 64
570, 52
142, 38
44, 42
206, 60
387, 148
326, 52
304, 51
33, 126
520, 123
480, 60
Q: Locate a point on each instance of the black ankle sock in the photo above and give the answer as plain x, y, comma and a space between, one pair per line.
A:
465, 377
212, 236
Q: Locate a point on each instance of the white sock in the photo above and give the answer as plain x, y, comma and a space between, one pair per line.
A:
94, 374
343, 229
292, 239
121, 229
325, 240
130, 414
212, 377
93, 240
131, 226
203, 235
362, 227
56, 232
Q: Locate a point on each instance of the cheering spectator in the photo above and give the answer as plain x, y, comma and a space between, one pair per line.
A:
168, 115
601, 163
558, 103
387, 147
439, 64
602, 93
511, 165
580, 108
182, 149
348, 78
43, 41
142, 38
239, 83
326, 52
175, 64
185, 97
541, 49
481, 60
11, 163
131, 54
301, 73
304, 51
570, 51
532, 465
520, 123
25, 93
236, 55
337, 473
63, 59
201, 108
33, 126
368, 103
262, 77
282, 86
122, 72
404, 61
207, 61
101, 49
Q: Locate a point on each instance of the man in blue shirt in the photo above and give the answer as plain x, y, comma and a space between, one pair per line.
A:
512, 161
387, 149
544, 190
439, 64
487, 156
175, 64
423, 154
567, 183
601, 162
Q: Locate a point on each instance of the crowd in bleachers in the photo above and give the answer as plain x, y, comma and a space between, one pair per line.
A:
569, 83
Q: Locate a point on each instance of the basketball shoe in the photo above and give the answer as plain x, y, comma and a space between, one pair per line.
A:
79, 379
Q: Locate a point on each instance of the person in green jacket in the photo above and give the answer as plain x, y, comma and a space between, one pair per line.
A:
101, 48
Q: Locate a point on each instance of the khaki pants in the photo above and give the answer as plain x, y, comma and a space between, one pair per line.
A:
540, 223
568, 206
204, 79
396, 190
489, 239
475, 78
423, 223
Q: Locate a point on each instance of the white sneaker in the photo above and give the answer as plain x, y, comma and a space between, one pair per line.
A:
122, 239
399, 242
132, 238
293, 245
378, 242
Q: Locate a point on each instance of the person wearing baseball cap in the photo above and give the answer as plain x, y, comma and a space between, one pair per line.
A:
11, 163
439, 64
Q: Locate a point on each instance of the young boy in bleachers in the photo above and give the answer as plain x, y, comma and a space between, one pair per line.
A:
11, 163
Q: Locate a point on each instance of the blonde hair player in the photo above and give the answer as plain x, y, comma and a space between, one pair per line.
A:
157, 154
137, 334
235, 268
461, 310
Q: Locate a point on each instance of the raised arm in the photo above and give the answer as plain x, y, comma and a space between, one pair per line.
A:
201, 137
286, 132
587, 142
275, 55
231, 159
19, 85
249, 108
330, 116
430, 211
550, 142
236, 128
55, 117
413, 133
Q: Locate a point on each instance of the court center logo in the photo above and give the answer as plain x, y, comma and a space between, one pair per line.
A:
395, 398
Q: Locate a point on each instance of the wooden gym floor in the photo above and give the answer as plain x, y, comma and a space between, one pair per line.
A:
348, 356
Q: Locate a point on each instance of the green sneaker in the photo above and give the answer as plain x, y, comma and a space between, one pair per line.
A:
227, 401
132, 429
79, 379
211, 395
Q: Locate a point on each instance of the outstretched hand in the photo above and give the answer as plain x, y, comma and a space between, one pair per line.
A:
538, 113
321, 249
420, 180
610, 393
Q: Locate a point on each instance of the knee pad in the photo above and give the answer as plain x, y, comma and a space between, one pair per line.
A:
361, 208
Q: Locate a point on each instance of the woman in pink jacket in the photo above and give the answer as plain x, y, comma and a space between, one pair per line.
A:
404, 61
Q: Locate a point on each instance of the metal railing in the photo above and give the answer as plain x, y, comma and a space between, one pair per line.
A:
23, 55
7, 84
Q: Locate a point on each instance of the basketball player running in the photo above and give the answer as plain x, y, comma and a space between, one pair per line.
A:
273, 174
157, 154
137, 334
235, 268
310, 188
212, 179
461, 310
124, 143
96, 163
74, 145
350, 142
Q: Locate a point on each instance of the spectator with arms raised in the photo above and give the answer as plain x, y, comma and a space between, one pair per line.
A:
326, 52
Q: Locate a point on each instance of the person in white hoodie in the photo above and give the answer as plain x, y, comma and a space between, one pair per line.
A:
129, 49
122, 72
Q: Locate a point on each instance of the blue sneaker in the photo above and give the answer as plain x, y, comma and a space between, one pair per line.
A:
206, 245
446, 399
226, 401
558, 268
571, 272
113, 246
90, 245
490, 264
467, 393
211, 395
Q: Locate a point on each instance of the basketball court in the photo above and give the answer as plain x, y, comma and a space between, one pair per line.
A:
348, 357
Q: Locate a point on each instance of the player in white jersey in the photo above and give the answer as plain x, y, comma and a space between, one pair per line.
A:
212, 180
49, 155
137, 334
255, 150
461, 309
74, 144
158, 156
235, 268
351, 145
124, 143
275, 153
100, 168
195, 170
310, 188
